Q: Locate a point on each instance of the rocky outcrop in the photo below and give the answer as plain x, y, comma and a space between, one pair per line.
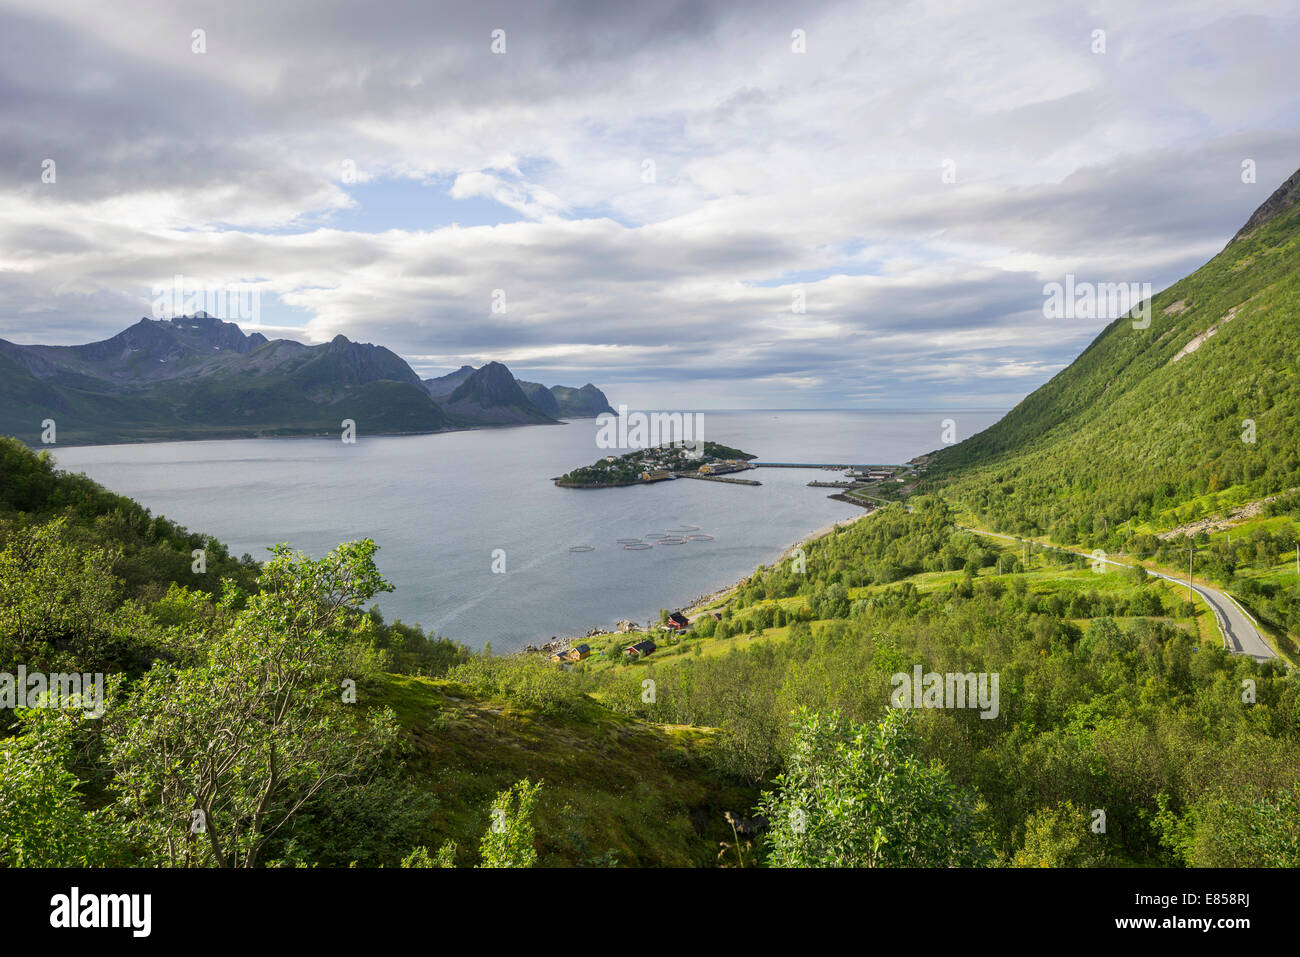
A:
1284, 198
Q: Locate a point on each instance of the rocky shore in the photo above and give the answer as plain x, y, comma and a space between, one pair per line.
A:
558, 645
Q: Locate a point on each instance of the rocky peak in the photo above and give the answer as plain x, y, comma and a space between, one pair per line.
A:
491, 385
1284, 197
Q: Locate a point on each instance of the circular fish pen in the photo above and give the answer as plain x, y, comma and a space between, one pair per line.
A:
672, 541
637, 546
582, 548
685, 528
658, 536
699, 538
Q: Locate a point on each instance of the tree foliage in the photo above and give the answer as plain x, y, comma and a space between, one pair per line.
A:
858, 795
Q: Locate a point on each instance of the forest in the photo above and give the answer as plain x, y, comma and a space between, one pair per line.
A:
273, 718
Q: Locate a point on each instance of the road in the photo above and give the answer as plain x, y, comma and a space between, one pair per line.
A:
1240, 634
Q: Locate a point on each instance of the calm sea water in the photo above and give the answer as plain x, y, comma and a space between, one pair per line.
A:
439, 506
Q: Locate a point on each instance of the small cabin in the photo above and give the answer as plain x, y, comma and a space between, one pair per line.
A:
580, 652
640, 649
678, 622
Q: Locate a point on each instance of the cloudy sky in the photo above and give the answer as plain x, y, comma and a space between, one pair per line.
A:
639, 194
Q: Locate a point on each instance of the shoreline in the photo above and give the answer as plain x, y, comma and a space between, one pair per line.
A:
699, 604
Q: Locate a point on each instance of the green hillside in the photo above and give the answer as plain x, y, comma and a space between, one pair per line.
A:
1115, 694
617, 790
1132, 429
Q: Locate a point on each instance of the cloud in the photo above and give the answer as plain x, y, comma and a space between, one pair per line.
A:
679, 178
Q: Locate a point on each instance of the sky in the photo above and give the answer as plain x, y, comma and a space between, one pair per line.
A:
694, 205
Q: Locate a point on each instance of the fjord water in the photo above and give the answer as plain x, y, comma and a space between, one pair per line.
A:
440, 505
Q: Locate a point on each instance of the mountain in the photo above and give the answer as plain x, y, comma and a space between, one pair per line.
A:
199, 377
491, 396
1152, 426
444, 386
541, 397
145, 353
581, 403
557, 402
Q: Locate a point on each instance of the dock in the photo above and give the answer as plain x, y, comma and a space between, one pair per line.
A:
717, 478
830, 466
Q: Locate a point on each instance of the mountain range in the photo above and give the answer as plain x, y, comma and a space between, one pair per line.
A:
199, 377
492, 386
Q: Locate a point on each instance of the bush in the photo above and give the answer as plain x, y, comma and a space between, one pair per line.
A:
1060, 836
525, 681
857, 795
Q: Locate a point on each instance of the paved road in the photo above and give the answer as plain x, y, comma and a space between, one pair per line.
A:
1240, 634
